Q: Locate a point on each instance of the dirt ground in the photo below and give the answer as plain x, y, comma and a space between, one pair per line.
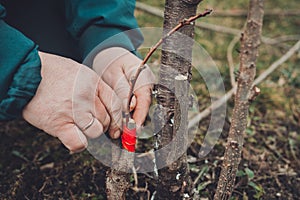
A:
36, 166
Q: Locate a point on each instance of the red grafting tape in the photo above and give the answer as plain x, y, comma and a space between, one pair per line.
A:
128, 141
130, 148
129, 138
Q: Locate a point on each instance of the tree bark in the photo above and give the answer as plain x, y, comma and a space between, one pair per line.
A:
174, 181
118, 176
246, 92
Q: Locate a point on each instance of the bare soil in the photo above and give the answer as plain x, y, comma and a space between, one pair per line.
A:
35, 165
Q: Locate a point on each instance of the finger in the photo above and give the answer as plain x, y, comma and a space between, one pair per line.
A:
94, 129
143, 98
89, 125
113, 106
73, 138
101, 114
132, 103
84, 103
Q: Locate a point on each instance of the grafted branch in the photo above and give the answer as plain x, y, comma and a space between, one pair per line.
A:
182, 23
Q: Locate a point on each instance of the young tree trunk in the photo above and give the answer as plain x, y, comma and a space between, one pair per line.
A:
246, 92
174, 181
118, 176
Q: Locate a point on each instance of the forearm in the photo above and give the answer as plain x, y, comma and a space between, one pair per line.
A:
19, 70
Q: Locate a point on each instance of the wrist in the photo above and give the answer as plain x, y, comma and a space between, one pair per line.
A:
22, 88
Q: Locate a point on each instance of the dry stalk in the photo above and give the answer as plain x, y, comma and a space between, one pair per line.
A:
250, 42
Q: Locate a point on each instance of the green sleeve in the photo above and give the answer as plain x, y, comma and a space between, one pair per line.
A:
19, 70
103, 24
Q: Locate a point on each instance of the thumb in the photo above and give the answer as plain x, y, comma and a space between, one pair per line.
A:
143, 96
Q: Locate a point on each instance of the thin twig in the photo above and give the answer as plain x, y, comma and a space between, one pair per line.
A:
218, 103
153, 49
283, 38
43, 186
136, 184
286, 56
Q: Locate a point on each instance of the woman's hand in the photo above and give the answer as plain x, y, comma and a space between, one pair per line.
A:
72, 103
116, 66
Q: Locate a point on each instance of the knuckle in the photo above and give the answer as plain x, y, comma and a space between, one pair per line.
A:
73, 139
82, 123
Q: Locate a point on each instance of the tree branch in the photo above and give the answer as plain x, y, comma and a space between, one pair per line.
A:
275, 65
250, 42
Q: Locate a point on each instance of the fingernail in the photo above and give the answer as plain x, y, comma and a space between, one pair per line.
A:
131, 105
